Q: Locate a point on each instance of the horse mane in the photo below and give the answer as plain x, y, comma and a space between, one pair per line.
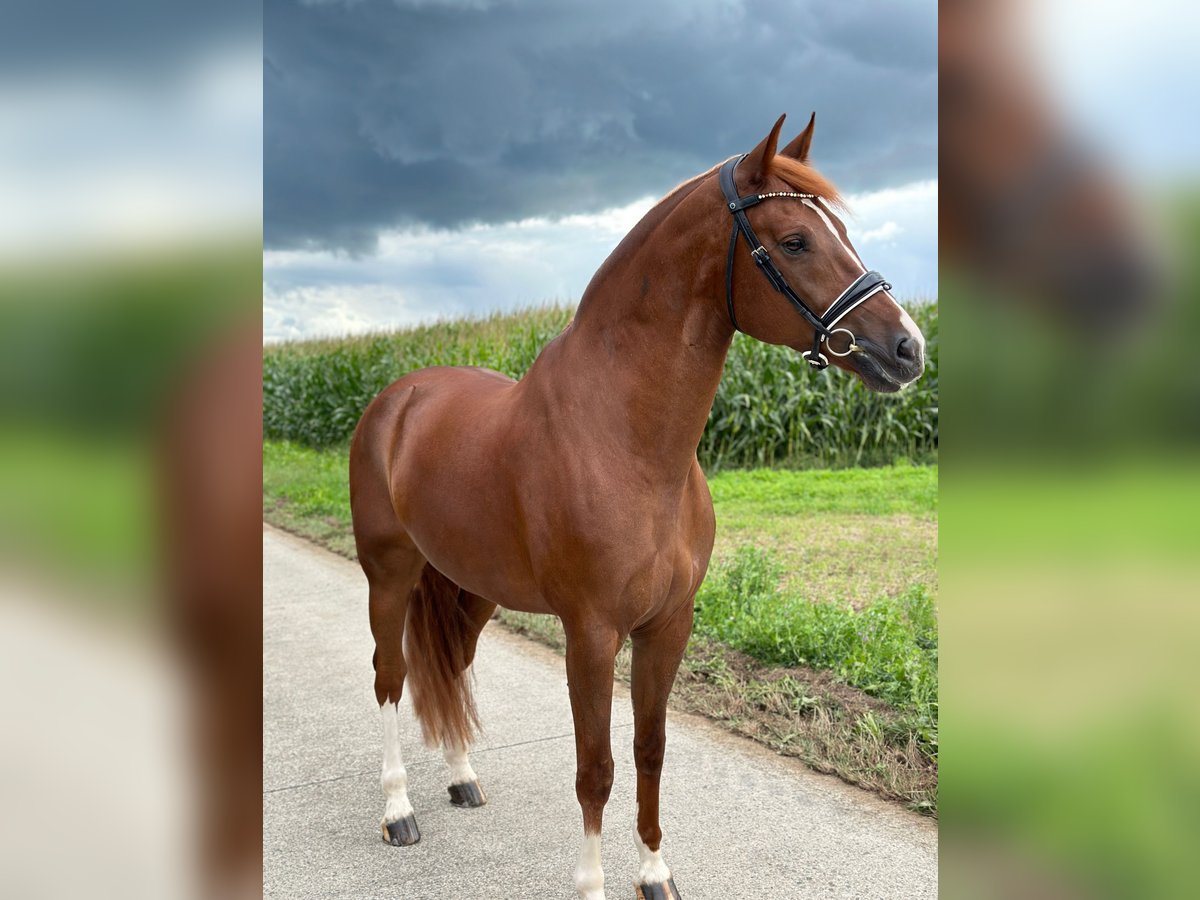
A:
804, 178
646, 225
800, 176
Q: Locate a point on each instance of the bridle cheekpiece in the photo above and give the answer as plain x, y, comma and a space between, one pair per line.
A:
858, 292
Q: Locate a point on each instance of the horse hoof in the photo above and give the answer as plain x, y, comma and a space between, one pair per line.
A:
402, 833
467, 795
662, 891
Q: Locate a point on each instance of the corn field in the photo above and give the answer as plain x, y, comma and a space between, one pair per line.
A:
770, 409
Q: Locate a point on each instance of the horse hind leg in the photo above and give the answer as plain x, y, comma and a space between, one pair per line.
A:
390, 590
441, 634
425, 631
464, 789
399, 825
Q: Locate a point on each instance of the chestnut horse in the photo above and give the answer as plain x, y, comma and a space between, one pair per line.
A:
576, 491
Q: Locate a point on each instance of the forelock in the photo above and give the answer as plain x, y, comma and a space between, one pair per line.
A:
804, 178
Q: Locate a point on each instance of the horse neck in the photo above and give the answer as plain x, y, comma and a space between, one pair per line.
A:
647, 347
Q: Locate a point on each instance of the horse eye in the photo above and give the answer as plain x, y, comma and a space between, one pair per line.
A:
794, 245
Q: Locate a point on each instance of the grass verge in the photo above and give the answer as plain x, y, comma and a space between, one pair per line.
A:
798, 711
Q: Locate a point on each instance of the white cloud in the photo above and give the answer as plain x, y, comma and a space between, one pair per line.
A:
299, 312
423, 275
884, 232
895, 231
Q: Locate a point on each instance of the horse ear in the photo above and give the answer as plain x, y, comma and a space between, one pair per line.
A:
798, 148
757, 164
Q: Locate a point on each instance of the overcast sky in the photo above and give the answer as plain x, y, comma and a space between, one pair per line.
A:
427, 158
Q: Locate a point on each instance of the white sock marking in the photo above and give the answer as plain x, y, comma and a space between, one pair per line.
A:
653, 870
460, 766
589, 876
394, 778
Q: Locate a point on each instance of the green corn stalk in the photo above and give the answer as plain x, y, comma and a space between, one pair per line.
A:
770, 409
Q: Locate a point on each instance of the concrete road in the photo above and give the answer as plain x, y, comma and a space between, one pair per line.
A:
738, 821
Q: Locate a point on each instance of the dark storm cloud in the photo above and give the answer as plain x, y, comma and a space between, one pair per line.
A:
142, 39
384, 113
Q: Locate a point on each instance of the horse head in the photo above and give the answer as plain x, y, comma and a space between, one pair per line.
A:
809, 288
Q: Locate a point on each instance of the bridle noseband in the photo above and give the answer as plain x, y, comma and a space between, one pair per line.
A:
860, 290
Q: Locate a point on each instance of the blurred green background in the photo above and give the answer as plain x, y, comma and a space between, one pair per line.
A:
1070, 576
91, 351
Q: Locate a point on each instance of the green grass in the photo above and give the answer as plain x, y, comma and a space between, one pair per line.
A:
770, 408
887, 649
306, 491
798, 711
844, 536
894, 490
314, 482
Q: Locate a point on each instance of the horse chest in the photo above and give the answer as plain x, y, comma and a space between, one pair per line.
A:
637, 551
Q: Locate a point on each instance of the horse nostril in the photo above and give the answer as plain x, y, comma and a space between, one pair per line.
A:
907, 349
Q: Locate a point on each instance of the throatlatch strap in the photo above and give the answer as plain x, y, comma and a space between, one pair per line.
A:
733, 236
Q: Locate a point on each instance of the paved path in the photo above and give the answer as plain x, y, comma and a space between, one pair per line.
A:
738, 821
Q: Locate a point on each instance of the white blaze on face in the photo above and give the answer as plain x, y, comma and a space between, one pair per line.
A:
652, 870
836, 234
589, 876
394, 778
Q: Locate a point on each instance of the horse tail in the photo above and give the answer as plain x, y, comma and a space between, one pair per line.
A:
437, 646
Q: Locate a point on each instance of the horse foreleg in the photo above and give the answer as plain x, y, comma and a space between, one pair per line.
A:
657, 650
591, 650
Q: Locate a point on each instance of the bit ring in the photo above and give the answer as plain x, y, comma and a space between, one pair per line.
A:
850, 349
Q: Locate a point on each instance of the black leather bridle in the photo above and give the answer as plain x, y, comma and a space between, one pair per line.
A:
860, 290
